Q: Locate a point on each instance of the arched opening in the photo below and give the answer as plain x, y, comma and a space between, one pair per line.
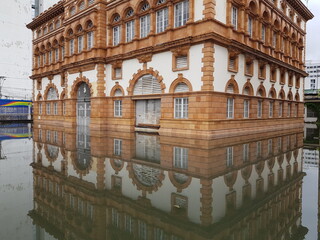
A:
147, 110
83, 104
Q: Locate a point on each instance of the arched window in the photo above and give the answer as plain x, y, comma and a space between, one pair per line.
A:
52, 94
82, 5
181, 87
72, 11
147, 84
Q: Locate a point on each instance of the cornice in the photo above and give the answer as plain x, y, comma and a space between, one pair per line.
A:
301, 8
47, 15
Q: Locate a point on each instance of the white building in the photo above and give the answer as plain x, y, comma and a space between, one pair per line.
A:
312, 81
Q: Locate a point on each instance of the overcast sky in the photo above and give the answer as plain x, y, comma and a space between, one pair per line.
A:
313, 32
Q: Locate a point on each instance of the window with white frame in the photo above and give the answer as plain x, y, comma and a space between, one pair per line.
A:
116, 35
181, 108
271, 109
118, 108
56, 54
80, 44
71, 45
245, 152
144, 25
280, 109
162, 20
62, 52
50, 57
259, 149
64, 108
48, 108
234, 17
274, 39
259, 110
90, 40
250, 28
129, 31
263, 33
230, 107
246, 106
180, 157
40, 108
229, 156
55, 108
269, 146
117, 147
182, 62
181, 13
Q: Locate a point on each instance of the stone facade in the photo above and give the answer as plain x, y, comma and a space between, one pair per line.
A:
187, 67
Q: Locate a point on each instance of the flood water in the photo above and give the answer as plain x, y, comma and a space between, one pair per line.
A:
73, 184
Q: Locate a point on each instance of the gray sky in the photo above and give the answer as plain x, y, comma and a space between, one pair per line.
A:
313, 32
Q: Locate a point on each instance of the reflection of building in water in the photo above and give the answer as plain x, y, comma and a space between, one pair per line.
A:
310, 158
154, 187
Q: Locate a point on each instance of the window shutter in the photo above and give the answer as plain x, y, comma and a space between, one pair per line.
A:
118, 93
147, 85
117, 72
181, 62
181, 87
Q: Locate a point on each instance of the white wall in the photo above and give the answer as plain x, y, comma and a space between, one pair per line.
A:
15, 48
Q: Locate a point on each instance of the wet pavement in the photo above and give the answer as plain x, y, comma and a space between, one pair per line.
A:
73, 184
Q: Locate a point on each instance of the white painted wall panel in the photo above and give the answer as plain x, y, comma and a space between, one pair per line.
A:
221, 14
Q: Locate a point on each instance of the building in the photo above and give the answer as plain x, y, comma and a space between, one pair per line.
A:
176, 67
311, 81
143, 186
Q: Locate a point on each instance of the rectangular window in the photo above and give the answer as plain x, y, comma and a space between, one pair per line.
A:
289, 110
80, 44
56, 54
182, 62
118, 108
250, 26
116, 35
55, 108
280, 109
71, 45
259, 152
180, 157
181, 108
50, 57
64, 108
90, 40
279, 144
245, 152
62, 52
181, 13
269, 146
38, 57
129, 31
144, 26
259, 110
274, 39
246, 108
229, 158
40, 108
234, 17
230, 107
271, 109
118, 72
117, 147
162, 20
263, 33
44, 59
296, 110
48, 108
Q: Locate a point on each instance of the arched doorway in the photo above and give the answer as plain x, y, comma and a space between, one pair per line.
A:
83, 105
